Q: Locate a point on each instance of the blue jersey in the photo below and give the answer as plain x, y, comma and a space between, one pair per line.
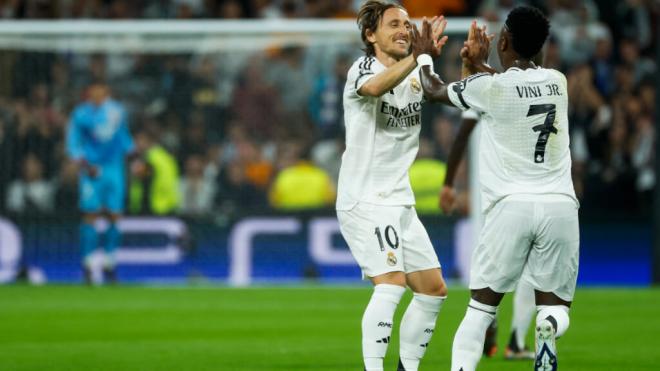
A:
99, 134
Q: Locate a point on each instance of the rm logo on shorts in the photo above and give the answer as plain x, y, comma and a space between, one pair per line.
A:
391, 259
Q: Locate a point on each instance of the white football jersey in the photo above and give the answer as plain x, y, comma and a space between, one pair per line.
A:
382, 139
524, 144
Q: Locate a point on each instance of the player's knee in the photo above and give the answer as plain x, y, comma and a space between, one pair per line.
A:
390, 278
557, 315
435, 289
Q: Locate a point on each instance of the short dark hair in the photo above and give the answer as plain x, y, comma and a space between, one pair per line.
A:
529, 29
369, 16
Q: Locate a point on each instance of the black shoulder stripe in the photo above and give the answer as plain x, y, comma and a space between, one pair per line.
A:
366, 63
361, 75
458, 88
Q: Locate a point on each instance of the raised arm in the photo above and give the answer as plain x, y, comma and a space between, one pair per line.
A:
475, 51
435, 90
424, 47
388, 79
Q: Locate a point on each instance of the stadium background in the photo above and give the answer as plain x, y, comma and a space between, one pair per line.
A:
236, 118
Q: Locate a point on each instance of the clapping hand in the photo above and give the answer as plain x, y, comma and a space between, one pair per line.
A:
438, 26
476, 48
430, 40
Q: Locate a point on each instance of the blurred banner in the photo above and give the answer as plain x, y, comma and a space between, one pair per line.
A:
276, 249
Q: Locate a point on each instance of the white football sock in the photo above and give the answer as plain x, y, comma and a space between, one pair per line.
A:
417, 327
377, 324
469, 339
524, 306
560, 315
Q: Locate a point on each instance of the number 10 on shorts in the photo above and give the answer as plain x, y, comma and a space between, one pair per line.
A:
391, 237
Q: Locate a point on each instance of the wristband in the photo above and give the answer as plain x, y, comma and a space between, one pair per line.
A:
424, 60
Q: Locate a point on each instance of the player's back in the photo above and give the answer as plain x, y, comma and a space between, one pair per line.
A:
525, 138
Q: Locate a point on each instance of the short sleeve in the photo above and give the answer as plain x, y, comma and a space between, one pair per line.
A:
472, 92
361, 71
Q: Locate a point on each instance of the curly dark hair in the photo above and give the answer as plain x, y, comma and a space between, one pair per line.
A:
529, 28
369, 17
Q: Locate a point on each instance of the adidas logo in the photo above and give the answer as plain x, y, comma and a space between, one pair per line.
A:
384, 340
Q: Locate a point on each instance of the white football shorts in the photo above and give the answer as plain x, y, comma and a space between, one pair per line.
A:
529, 237
387, 239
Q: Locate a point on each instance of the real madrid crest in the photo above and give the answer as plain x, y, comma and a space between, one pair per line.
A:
415, 86
391, 259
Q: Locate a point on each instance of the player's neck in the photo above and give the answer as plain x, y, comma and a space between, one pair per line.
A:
386, 59
521, 63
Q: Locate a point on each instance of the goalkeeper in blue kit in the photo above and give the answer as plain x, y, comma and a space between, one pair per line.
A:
98, 140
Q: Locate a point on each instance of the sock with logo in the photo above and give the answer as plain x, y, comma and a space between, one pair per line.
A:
417, 327
469, 339
88, 242
377, 324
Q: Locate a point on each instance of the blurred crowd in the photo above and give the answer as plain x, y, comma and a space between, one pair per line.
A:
232, 132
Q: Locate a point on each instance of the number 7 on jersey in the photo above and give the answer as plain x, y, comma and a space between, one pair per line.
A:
544, 129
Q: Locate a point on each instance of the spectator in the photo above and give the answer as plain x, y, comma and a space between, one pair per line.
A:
443, 137
154, 187
231, 9
602, 66
32, 193
427, 175
257, 170
239, 107
197, 191
641, 67
253, 91
419, 9
643, 158
286, 74
325, 103
33, 135
343, 9
195, 137
236, 192
326, 154
285, 193
633, 22
66, 193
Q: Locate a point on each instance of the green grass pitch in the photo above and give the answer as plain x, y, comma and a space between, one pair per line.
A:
298, 328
